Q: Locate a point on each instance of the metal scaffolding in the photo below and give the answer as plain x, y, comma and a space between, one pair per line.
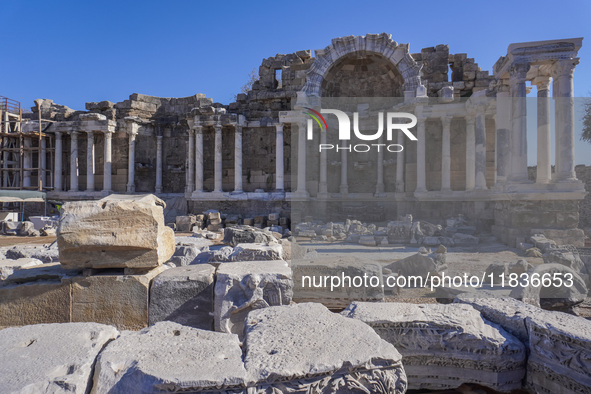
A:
26, 149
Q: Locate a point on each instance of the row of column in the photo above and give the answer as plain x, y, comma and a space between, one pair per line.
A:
195, 178
132, 134
512, 126
58, 180
475, 158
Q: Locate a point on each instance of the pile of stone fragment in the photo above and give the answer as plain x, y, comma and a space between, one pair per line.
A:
456, 232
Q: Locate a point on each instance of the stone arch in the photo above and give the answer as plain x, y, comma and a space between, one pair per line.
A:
381, 44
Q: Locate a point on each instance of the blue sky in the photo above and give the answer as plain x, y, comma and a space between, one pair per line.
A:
79, 51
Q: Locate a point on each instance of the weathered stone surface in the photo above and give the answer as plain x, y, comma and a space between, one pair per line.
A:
188, 248
120, 300
502, 271
7, 267
257, 252
169, 357
45, 253
246, 234
244, 286
565, 255
51, 358
507, 312
306, 348
184, 295
415, 265
185, 223
445, 346
546, 293
116, 232
50, 271
559, 353
35, 303
309, 285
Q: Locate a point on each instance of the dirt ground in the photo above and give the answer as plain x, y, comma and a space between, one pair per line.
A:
10, 240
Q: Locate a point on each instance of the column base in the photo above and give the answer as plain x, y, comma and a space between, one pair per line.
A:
158, 191
400, 187
300, 194
323, 196
344, 190
130, 189
380, 189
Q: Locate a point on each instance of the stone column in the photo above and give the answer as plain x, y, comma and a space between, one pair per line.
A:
480, 151
380, 169
517, 79
73, 161
503, 123
563, 71
90, 162
190, 159
301, 186
131, 162
218, 159
27, 161
279, 169
446, 154
198, 159
43, 159
57, 172
108, 162
158, 164
421, 170
544, 170
323, 184
556, 95
470, 153
400, 165
344, 186
238, 159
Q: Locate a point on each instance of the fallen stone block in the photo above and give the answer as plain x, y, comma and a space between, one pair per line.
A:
507, 312
559, 349
367, 240
244, 286
51, 358
42, 272
566, 255
187, 249
184, 295
462, 239
246, 234
445, 346
306, 348
7, 267
336, 284
120, 300
34, 303
541, 242
546, 292
169, 357
257, 252
415, 265
116, 232
185, 223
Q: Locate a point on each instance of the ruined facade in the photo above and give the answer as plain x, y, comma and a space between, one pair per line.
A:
470, 157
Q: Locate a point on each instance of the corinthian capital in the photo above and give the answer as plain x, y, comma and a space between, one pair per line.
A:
518, 72
564, 67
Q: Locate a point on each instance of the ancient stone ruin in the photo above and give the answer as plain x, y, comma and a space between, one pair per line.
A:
224, 280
